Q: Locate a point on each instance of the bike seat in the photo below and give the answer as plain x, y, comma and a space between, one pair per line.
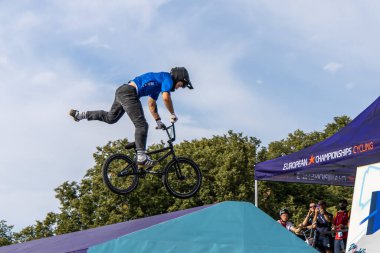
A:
130, 145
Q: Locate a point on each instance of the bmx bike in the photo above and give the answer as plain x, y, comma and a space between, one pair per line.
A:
181, 176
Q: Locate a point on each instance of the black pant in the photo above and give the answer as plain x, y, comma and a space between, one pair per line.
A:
126, 100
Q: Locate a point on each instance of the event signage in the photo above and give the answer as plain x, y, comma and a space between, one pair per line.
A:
328, 177
329, 156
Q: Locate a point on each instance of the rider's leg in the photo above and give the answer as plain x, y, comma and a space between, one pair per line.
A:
132, 105
110, 117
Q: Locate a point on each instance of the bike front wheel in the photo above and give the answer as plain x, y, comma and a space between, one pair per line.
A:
120, 174
182, 177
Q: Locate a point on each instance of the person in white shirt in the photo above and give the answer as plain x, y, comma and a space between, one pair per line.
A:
284, 221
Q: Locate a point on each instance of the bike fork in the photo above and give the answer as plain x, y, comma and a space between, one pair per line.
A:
178, 172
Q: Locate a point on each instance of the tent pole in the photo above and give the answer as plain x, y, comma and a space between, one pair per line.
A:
256, 195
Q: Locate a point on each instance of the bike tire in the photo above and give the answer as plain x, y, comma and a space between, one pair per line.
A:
187, 186
112, 177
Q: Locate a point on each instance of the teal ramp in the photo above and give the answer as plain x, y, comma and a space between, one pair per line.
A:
222, 228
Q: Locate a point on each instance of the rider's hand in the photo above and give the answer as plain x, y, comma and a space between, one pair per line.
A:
160, 125
173, 118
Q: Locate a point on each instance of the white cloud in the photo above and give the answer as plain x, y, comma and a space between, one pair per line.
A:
86, 15
340, 29
332, 67
43, 77
26, 20
93, 41
3, 60
350, 86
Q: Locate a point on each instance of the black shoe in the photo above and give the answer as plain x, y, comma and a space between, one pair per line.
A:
73, 113
147, 164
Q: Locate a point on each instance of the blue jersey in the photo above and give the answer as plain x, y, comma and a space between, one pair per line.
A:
152, 84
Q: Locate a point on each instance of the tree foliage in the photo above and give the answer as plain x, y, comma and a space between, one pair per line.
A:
41, 229
6, 234
227, 163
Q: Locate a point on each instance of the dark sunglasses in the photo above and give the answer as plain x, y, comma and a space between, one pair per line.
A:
313, 206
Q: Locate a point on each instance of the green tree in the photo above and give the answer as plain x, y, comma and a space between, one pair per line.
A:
69, 220
339, 122
41, 229
6, 234
26, 234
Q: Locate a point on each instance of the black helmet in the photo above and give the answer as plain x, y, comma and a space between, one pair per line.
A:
181, 74
284, 210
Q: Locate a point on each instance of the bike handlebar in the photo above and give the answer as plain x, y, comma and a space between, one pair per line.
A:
171, 135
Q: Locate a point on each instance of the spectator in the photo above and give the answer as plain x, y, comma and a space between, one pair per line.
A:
307, 225
284, 221
340, 226
322, 222
308, 221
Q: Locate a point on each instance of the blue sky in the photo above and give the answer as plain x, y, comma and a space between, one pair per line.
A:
261, 67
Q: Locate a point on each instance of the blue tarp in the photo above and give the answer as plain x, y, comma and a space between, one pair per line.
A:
227, 227
79, 242
334, 160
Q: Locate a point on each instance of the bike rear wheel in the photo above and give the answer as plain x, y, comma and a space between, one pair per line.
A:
120, 174
182, 177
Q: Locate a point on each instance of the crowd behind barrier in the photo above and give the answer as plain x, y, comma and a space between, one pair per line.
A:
320, 229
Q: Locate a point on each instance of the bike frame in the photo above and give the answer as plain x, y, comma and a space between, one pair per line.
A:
170, 147
170, 152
